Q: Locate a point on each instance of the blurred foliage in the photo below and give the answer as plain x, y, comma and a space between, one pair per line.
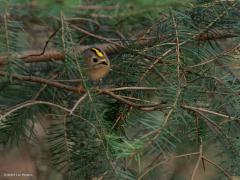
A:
104, 137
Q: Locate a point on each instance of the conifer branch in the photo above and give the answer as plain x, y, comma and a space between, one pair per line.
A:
80, 89
43, 81
32, 56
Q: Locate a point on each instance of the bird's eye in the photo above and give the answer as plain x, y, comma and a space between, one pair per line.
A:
95, 60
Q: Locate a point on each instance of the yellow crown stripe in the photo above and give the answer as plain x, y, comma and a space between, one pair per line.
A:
98, 52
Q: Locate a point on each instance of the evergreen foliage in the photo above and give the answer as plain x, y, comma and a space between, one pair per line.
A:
119, 135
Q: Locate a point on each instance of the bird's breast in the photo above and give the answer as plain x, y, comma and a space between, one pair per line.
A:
98, 72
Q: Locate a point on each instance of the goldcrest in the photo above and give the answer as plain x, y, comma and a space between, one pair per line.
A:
97, 62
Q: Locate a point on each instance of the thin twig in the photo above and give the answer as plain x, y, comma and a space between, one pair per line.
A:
77, 103
45, 46
43, 81
177, 51
95, 7
62, 18
96, 36
159, 59
6, 31
218, 167
130, 103
207, 111
198, 161
135, 99
30, 103
162, 162
43, 88
133, 88
224, 53
215, 127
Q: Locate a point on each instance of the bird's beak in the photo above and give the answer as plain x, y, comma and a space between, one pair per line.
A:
104, 62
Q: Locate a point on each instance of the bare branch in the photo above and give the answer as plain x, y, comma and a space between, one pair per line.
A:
30, 103
218, 167
77, 103
45, 46
43, 81
95, 7
207, 111
130, 103
146, 171
198, 161
133, 88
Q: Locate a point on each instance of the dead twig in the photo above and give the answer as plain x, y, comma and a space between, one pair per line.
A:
43, 81
77, 103
130, 103
30, 103
207, 111
133, 88
96, 36
198, 161
146, 171
95, 7
45, 46
218, 167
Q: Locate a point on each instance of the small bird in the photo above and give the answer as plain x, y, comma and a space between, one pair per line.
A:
97, 62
